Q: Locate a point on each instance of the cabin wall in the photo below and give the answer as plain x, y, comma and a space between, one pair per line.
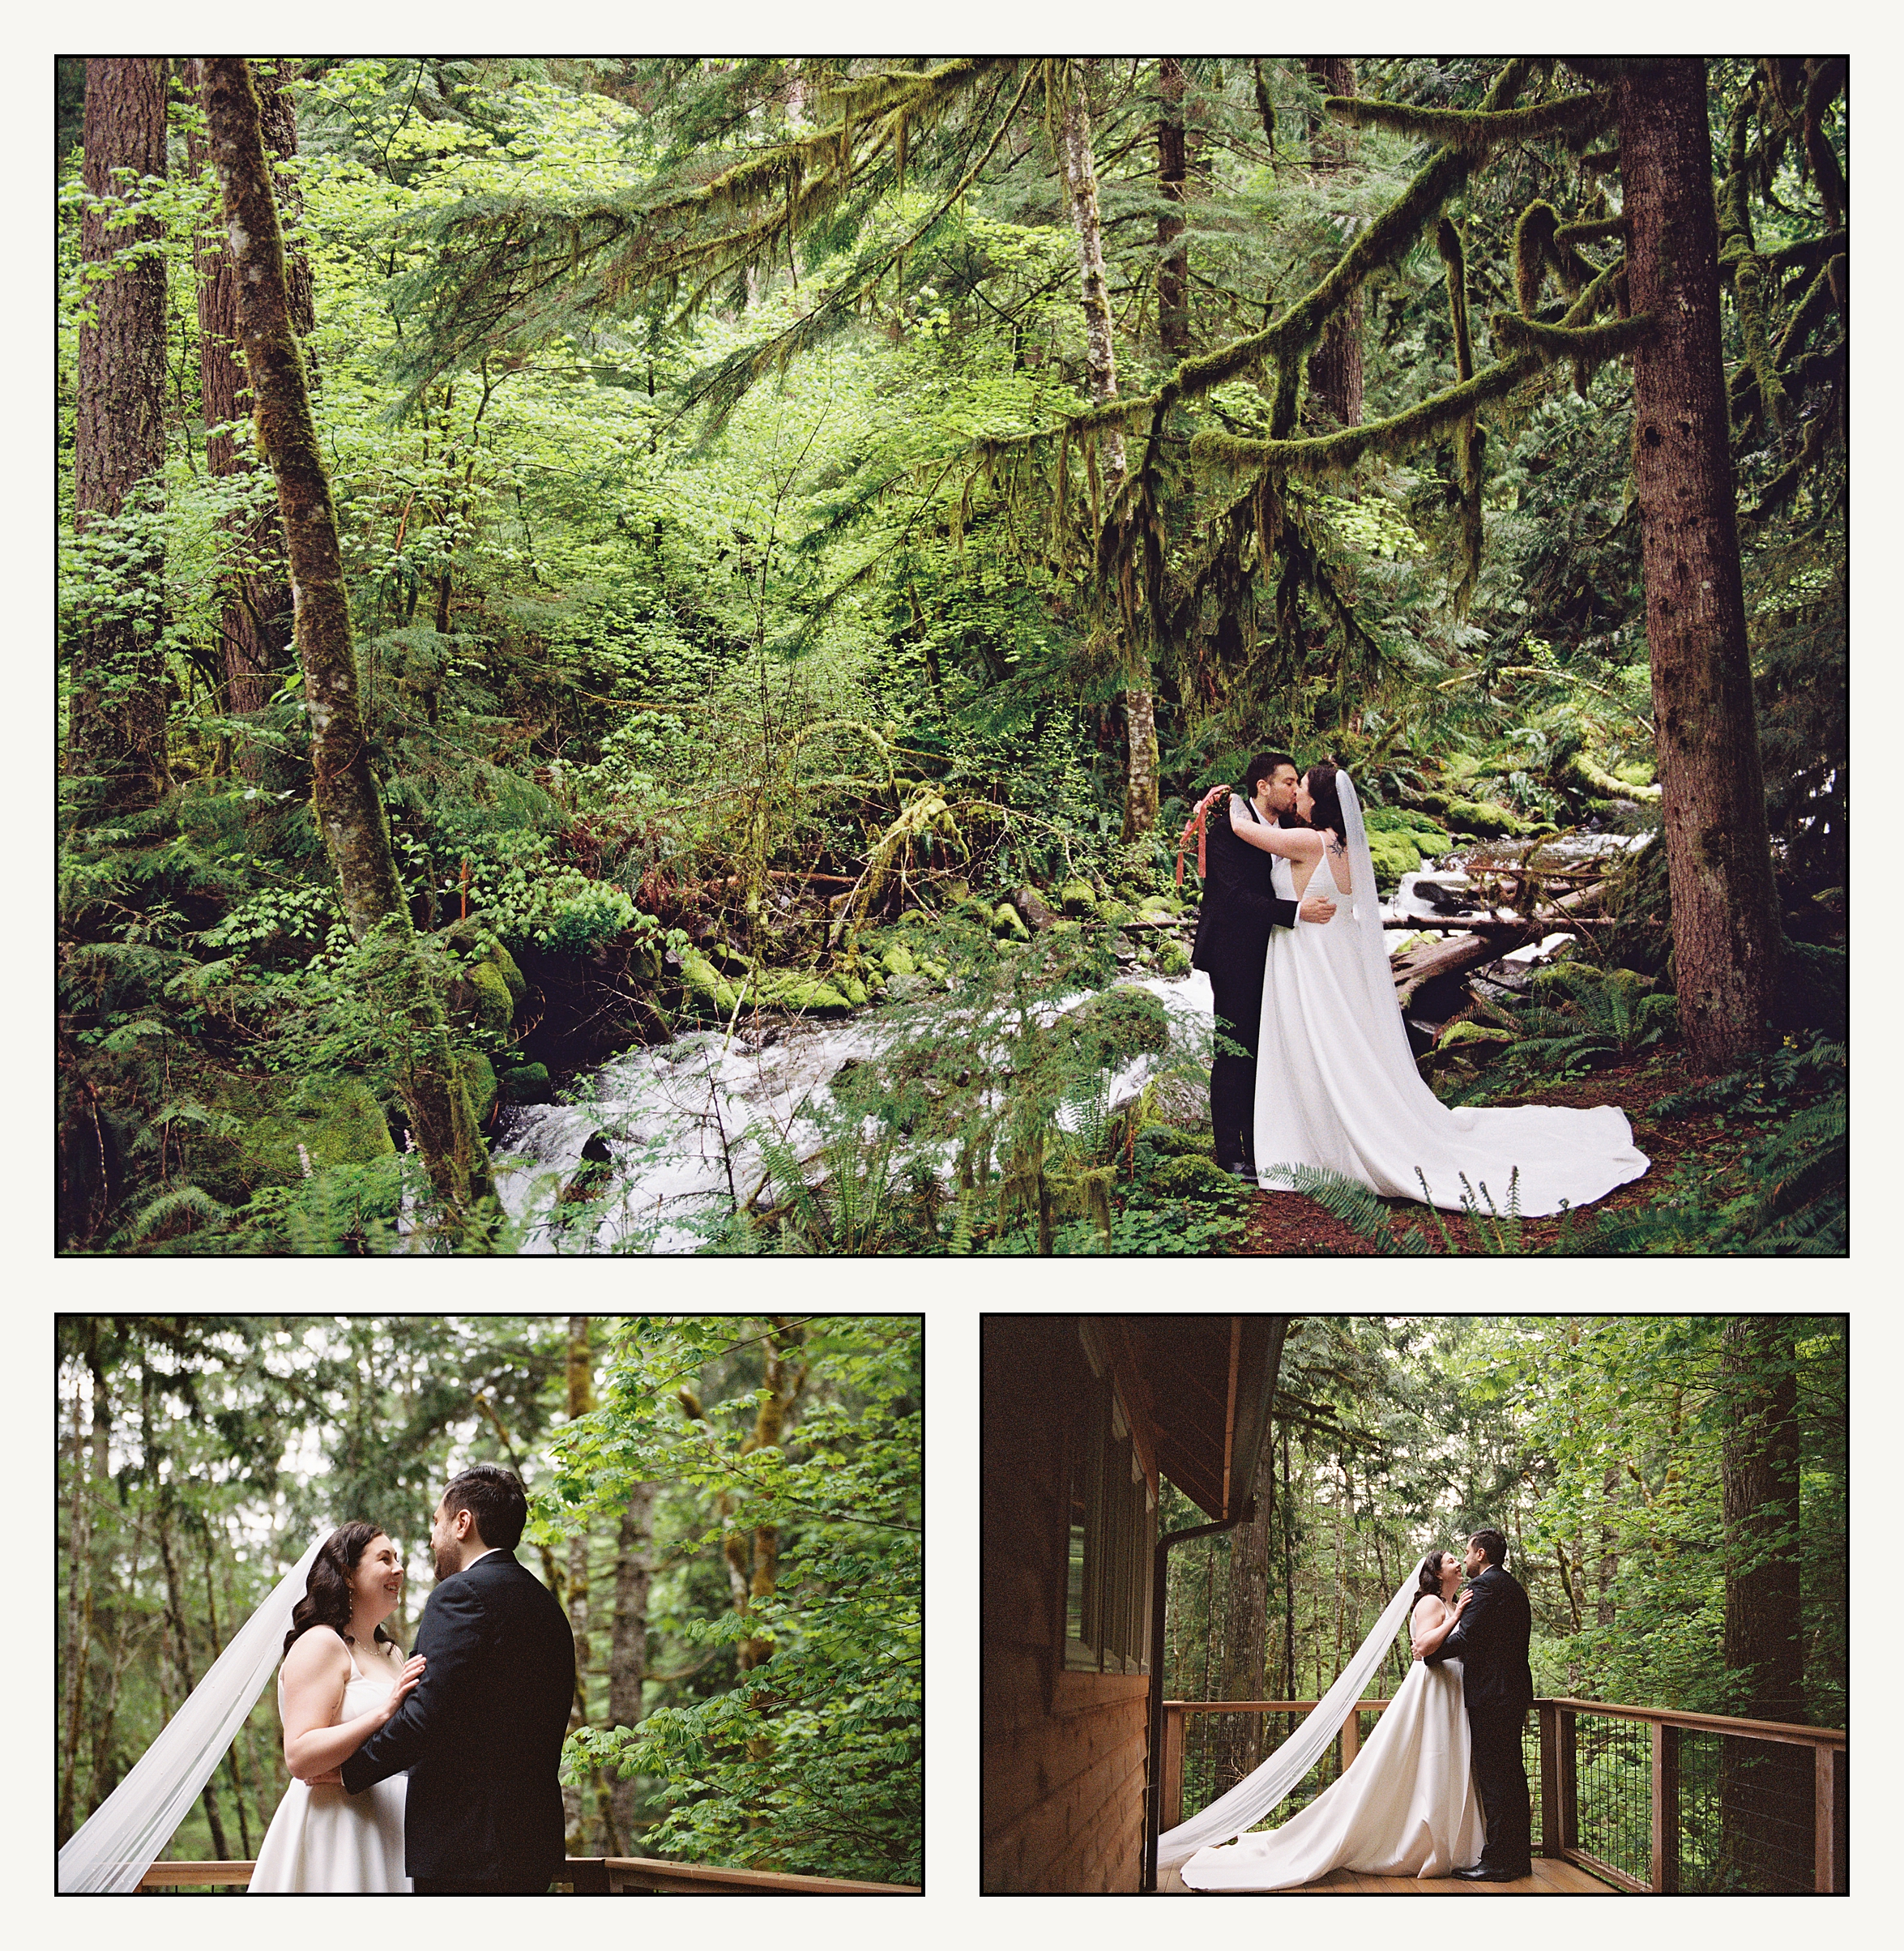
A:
1061, 1754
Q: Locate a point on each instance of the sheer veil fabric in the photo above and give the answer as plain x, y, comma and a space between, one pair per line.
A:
121, 1840
1253, 1798
1337, 1086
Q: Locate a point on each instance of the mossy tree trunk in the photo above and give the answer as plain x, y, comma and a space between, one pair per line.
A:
1173, 269
116, 728
1335, 367
255, 620
344, 794
1724, 908
1081, 184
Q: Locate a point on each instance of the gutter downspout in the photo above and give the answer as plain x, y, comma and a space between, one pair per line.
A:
1154, 1784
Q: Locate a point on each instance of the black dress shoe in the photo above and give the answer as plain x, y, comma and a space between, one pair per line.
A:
1480, 1873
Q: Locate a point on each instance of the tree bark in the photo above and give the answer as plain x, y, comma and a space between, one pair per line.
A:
1140, 703
116, 727
628, 1646
182, 1661
1765, 1789
1335, 367
344, 793
1724, 908
581, 1399
1173, 268
255, 621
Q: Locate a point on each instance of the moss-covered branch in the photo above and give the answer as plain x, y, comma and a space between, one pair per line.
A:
1469, 435
1592, 343
1737, 256
1477, 131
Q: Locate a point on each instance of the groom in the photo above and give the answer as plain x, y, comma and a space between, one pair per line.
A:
1491, 1641
482, 1734
1233, 944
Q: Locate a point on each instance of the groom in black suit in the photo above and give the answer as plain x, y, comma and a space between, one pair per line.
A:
482, 1734
1232, 943
1491, 1642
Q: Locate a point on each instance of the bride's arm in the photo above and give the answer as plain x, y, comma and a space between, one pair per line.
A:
1434, 1622
316, 1670
1293, 843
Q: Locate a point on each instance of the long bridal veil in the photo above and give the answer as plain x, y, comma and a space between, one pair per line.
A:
1253, 1798
121, 1840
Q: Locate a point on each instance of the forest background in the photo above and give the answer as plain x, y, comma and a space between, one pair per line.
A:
731, 1510
805, 531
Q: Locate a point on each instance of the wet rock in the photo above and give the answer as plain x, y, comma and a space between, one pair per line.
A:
1077, 897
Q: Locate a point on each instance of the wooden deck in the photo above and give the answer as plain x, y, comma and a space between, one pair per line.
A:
1550, 1878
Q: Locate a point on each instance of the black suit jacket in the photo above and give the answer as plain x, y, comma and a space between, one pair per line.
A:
482, 1734
1491, 1642
1239, 910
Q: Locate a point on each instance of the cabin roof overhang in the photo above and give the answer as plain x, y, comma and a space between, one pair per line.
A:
1196, 1390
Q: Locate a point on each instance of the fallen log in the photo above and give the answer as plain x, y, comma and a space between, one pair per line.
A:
1471, 950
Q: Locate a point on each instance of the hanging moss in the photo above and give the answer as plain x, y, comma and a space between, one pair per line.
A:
1534, 240
1468, 435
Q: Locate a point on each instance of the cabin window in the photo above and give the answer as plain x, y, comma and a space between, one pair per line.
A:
1112, 1531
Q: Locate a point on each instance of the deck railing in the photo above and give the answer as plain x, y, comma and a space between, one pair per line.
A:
589, 1876
1648, 1798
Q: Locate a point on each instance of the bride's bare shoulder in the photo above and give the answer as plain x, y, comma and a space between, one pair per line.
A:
313, 1650
1428, 1610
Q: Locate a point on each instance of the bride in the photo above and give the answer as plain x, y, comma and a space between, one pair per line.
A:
1405, 1806
342, 1680
1336, 1082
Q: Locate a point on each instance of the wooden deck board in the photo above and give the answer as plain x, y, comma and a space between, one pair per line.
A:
1550, 1877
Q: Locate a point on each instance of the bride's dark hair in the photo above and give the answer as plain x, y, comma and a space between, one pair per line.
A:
326, 1586
1327, 809
1428, 1580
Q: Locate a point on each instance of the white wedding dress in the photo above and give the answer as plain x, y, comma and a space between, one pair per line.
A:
1336, 1086
326, 1839
1405, 1806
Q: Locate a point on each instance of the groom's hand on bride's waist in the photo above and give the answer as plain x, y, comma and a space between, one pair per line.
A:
1317, 908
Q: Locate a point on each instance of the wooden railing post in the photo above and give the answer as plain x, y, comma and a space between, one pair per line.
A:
1569, 1784
1550, 1781
1352, 1738
1172, 1805
1666, 1808
1828, 1868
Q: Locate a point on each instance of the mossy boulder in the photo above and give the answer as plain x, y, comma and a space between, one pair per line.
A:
1077, 897
897, 959
709, 992
852, 988
491, 1003
1192, 1176
473, 937
1115, 913
337, 1121
1161, 1141
479, 1079
1393, 854
525, 1084
1483, 818
1173, 959
1007, 921
801, 993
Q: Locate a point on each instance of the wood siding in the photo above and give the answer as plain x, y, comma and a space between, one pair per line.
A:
1062, 1754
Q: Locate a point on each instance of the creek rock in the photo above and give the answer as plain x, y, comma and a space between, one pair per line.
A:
1115, 913
1077, 897
525, 1084
479, 1080
708, 992
1006, 920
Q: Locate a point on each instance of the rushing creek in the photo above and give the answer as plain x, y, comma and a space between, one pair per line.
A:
669, 1131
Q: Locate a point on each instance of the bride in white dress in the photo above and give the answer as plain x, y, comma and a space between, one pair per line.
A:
1406, 1806
1336, 1082
342, 1680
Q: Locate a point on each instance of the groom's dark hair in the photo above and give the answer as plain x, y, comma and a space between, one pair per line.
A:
1493, 1546
1261, 767
493, 1497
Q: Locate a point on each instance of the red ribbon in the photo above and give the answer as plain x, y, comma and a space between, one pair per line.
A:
1194, 825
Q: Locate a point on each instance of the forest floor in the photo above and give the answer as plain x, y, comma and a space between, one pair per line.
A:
1290, 1223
